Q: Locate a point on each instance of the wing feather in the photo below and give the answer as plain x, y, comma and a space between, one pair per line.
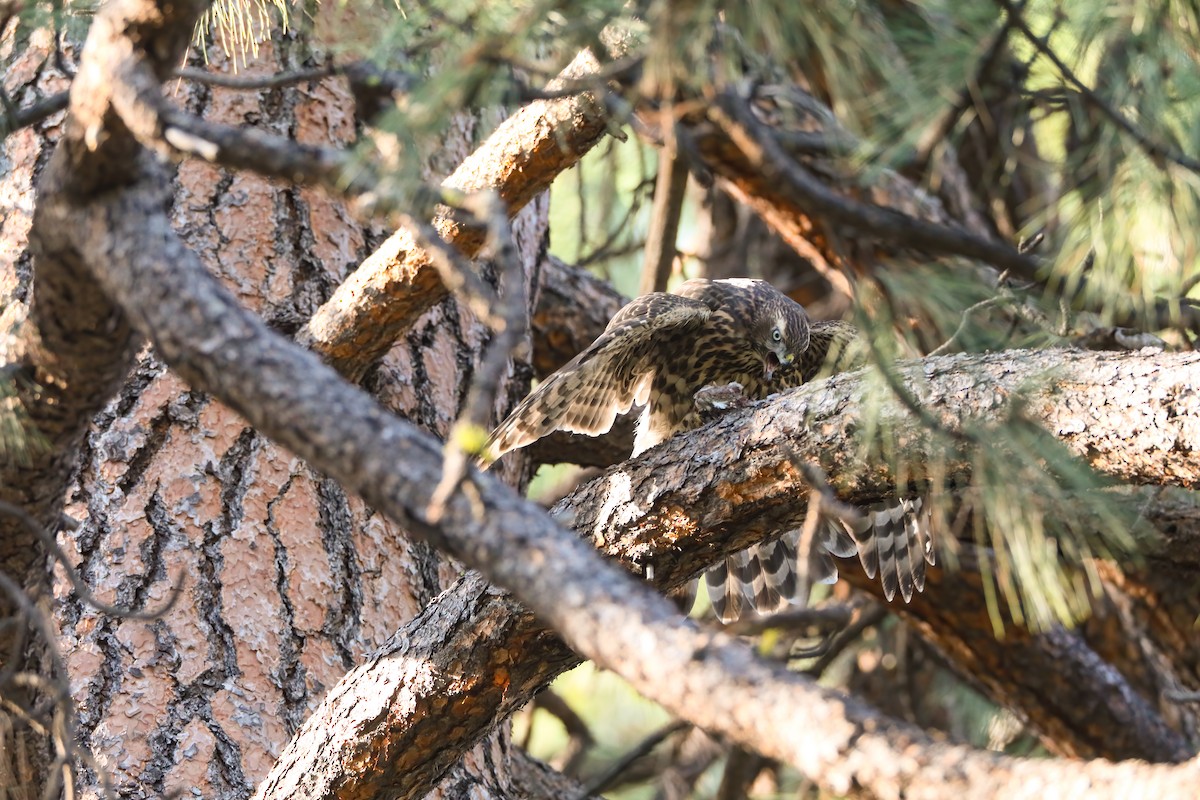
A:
610, 376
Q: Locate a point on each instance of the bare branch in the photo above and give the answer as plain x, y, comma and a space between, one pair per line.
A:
579, 737
661, 244
606, 779
255, 81
796, 183
16, 118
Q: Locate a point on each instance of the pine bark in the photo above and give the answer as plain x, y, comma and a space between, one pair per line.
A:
286, 580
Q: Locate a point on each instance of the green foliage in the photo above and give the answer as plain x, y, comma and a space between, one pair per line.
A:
241, 25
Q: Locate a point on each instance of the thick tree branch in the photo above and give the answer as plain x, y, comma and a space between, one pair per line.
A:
799, 187
811, 201
745, 493
1130, 416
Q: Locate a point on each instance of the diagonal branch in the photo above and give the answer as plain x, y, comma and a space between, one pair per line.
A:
797, 185
807, 208
677, 511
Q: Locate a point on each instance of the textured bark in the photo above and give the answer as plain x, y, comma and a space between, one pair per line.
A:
287, 580
523, 778
1145, 626
65, 352
573, 308
1130, 416
450, 662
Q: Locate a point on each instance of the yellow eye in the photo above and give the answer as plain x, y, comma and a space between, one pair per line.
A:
777, 335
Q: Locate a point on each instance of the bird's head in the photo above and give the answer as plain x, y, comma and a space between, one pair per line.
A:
780, 334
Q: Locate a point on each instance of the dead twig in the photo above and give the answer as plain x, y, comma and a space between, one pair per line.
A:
1180, 696
868, 618
793, 619
579, 736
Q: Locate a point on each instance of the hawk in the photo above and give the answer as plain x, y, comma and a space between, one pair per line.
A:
663, 348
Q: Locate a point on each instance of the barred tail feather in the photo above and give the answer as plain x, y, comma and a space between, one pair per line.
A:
894, 543
772, 575
768, 577
727, 592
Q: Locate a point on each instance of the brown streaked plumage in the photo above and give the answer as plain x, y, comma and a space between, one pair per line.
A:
658, 352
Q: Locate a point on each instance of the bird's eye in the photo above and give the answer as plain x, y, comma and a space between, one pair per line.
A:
777, 335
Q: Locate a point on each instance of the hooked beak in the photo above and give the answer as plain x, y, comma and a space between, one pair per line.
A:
772, 361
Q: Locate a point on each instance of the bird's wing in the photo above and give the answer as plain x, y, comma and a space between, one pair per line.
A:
607, 378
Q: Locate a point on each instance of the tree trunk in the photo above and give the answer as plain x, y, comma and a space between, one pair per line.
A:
286, 582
